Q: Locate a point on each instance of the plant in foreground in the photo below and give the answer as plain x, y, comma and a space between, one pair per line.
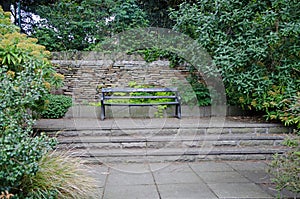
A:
60, 176
285, 168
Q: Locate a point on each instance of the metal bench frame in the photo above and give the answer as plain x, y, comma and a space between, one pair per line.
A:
108, 94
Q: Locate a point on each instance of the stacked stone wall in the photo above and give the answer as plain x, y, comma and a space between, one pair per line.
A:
86, 73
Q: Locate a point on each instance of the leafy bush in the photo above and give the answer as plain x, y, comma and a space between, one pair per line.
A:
26, 76
59, 176
19, 152
255, 45
285, 168
56, 106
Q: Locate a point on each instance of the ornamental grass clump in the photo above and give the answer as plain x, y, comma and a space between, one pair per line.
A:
60, 176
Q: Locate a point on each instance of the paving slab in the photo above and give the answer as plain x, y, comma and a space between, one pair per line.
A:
185, 191
222, 177
100, 177
99, 173
238, 190
176, 178
131, 192
119, 178
171, 167
248, 165
257, 176
132, 168
208, 166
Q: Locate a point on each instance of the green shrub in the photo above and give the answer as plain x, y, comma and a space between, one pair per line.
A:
59, 176
20, 92
20, 151
285, 169
255, 45
26, 76
57, 106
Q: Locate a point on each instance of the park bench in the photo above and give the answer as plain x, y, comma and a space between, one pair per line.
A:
139, 97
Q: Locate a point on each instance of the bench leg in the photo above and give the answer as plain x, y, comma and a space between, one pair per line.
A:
102, 115
178, 111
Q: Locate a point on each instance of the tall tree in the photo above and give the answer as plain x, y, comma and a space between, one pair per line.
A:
158, 11
23, 11
77, 25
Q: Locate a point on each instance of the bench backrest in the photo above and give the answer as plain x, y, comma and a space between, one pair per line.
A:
130, 90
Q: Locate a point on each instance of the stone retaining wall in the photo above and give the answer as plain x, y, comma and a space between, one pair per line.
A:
86, 73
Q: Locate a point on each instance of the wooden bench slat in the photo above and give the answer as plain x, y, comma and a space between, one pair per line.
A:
139, 97
129, 90
141, 104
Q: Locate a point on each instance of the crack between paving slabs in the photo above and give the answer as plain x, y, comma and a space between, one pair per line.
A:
203, 181
105, 183
156, 186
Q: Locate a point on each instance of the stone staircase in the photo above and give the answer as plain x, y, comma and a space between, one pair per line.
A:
153, 140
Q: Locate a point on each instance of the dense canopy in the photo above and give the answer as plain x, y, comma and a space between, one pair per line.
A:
255, 44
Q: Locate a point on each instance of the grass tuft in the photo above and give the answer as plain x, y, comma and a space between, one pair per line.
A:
60, 176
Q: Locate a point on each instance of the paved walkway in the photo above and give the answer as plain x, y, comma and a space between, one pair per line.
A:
201, 180
193, 180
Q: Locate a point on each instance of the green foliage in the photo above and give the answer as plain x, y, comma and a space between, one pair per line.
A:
160, 111
200, 90
19, 151
127, 15
256, 46
6, 25
291, 142
195, 93
153, 44
26, 79
56, 106
155, 53
157, 12
25, 73
79, 25
285, 168
59, 176
25, 76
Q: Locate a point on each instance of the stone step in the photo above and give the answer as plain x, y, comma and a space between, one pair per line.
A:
170, 141
160, 145
161, 140
155, 124
176, 154
146, 132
